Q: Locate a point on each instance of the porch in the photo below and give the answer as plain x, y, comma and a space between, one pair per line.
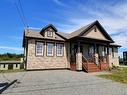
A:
89, 55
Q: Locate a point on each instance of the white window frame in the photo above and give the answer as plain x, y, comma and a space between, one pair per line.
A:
50, 33
41, 48
49, 44
59, 51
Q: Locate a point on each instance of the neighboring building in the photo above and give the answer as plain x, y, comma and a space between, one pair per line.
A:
10, 65
125, 58
88, 47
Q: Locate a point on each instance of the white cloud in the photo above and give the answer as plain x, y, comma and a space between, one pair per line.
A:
59, 2
11, 48
113, 19
121, 39
35, 28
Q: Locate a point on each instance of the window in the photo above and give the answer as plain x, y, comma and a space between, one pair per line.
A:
103, 52
110, 50
106, 50
39, 48
50, 48
91, 50
49, 33
59, 49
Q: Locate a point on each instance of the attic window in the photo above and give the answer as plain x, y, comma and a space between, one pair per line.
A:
49, 33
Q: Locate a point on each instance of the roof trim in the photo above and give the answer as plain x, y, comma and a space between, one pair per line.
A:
50, 25
116, 45
45, 39
99, 26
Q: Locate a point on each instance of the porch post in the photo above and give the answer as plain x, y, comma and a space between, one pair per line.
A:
78, 58
96, 54
78, 50
109, 58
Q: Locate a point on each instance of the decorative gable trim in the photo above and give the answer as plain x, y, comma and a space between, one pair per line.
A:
99, 26
48, 26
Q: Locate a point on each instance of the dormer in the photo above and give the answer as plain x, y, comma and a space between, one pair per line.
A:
49, 31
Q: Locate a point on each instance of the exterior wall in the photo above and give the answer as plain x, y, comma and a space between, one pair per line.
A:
14, 66
92, 34
45, 62
115, 59
2, 67
68, 54
79, 61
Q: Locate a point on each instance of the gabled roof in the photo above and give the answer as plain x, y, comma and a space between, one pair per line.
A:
50, 25
36, 34
66, 36
79, 31
85, 29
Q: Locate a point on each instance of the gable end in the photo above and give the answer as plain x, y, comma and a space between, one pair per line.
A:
101, 29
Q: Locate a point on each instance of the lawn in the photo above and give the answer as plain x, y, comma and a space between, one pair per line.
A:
119, 75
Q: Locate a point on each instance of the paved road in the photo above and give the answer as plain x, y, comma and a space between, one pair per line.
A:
61, 82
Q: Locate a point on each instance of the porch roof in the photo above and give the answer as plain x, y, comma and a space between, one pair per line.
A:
114, 44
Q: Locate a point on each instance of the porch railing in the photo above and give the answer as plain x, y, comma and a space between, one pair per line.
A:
101, 61
85, 63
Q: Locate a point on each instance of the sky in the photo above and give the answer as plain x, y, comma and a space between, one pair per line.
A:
65, 15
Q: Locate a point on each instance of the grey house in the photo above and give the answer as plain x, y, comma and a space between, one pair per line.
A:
89, 48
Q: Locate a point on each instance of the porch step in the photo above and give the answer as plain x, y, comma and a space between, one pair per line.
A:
91, 67
94, 70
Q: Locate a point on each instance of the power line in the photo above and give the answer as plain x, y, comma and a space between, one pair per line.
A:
21, 13
20, 5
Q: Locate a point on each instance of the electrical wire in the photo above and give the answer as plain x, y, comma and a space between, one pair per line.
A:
21, 13
21, 8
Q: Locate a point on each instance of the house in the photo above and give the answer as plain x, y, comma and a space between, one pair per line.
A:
10, 65
125, 58
89, 48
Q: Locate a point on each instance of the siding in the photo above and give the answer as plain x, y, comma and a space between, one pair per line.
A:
45, 62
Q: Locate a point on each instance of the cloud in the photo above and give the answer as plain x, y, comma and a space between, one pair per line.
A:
107, 15
75, 14
113, 18
11, 48
35, 28
121, 39
58, 2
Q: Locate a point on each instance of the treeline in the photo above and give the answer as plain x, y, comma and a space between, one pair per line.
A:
10, 57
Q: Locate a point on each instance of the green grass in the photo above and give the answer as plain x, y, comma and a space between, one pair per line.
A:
12, 71
117, 75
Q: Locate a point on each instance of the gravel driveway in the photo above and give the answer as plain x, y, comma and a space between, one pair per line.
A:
60, 82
